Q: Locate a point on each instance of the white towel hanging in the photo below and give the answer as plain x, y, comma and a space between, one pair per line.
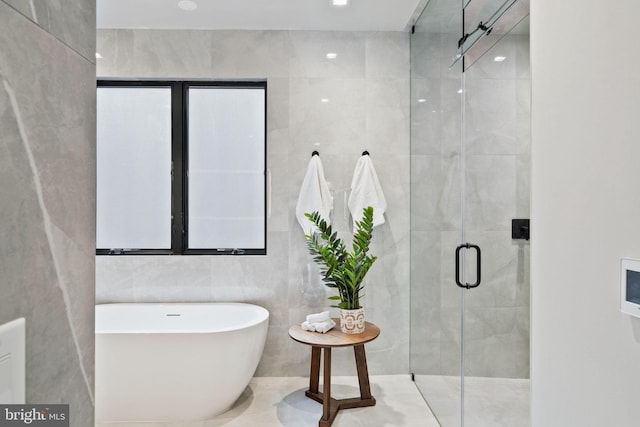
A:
314, 195
366, 191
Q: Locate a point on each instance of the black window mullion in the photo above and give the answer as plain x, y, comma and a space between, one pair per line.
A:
266, 176
185, 162
178, 131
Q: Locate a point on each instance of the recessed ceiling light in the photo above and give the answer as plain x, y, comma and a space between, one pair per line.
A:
422, 100
459, 90
332, 55
499, 58
324, 100
187, 5
98, 56
340, 2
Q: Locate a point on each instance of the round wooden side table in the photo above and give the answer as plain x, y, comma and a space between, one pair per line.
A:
325, 342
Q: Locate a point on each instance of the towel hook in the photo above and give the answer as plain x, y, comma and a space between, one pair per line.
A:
315, 153
365, 153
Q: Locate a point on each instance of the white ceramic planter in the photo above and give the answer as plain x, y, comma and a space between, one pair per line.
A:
352, 321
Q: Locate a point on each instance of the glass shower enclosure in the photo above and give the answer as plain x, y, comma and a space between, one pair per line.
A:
470, 157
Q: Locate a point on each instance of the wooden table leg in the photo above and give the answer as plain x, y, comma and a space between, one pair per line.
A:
314, 376
326, 389
363, 372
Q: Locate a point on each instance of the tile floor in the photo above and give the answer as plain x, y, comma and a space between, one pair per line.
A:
489, 402
273, 402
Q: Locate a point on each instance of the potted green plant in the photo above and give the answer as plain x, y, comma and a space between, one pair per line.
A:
341, 269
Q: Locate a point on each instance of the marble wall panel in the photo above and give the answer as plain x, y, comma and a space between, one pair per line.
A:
425, 297
449, 199
395, 173
18, 210
425, 355
368, 107
450, 349
23, 7
308, 57
426, 59
491, 117
120, 279
523, 116
115, 49
451, 100
523, 186
522, 360
171, 54
47, 117
426, 185
426, 117
249, 54
448, 51
387, 119
500, 284
386, 55
71, 22
450, 296
328, 114
66, 168
278, 121
490, 192
305, 285
523, 57
425, 255
486, 67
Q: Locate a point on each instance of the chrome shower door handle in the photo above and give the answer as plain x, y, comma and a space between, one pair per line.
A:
478, 266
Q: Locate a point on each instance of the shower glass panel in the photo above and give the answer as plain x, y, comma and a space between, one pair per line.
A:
497, 165
436, 208
470, 177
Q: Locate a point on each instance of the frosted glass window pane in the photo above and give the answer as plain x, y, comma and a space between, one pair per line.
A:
133, 168
226, 168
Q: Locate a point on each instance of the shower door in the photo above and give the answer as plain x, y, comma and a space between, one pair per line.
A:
470, 179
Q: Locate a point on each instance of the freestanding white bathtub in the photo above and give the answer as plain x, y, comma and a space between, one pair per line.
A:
172, 362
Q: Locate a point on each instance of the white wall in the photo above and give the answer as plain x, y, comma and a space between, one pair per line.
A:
585, 211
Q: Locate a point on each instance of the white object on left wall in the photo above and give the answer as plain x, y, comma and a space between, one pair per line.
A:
12, 362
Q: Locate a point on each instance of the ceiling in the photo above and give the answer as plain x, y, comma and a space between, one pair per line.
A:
319, 15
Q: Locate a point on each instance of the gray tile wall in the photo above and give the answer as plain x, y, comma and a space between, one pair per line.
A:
368, 90
47, 193
497, 190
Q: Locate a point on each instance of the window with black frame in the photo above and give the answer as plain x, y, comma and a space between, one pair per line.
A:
181, 167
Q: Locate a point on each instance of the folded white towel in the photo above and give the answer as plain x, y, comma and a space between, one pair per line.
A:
322, 327
318, 317
325, 326
314, 195
308, 326
366, 191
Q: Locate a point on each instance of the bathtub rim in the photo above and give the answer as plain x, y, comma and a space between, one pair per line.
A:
99, 329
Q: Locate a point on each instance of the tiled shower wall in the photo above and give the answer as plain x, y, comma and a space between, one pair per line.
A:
368, 90
497, 134
47, 194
